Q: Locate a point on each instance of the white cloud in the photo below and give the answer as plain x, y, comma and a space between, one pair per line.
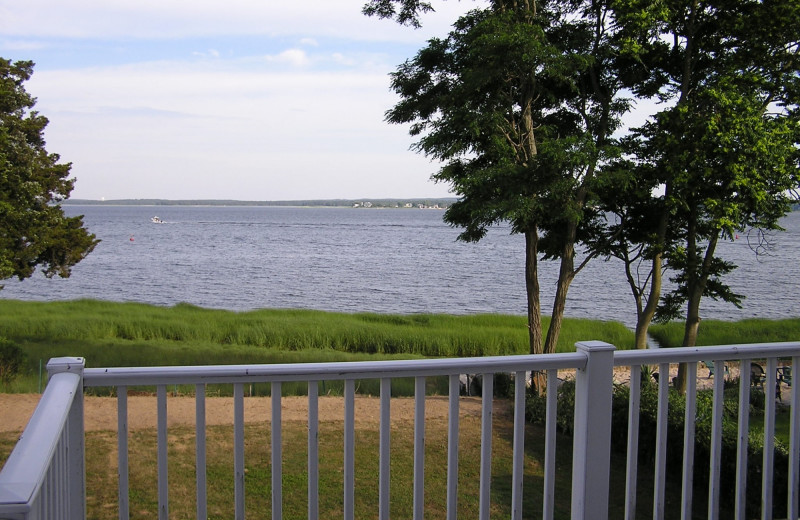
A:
210, 53
293, 57
175, 19
247, 99
140, 130
21, 45
340, 58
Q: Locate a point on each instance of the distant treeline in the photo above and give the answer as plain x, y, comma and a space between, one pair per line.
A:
375, 203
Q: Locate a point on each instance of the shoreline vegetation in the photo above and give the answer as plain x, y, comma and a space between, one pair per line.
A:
135, 334
410, 203
428, 202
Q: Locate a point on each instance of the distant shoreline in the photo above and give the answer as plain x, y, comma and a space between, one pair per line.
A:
410, 203
365, 203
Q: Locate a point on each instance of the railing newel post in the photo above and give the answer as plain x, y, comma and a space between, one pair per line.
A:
76, 455
591, 459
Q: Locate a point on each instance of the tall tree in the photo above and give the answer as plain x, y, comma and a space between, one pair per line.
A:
33, 229
725, 151
635, 232
520, 102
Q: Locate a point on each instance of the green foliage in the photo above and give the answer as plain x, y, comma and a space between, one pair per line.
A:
648, 414
725, 148
33, 229
12, 359
520, 102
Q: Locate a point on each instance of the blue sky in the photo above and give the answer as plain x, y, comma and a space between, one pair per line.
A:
241, 99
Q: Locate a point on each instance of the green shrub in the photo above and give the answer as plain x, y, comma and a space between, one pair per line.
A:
648, 414
12, 358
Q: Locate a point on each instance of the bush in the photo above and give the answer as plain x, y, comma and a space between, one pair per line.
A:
12, 358
648, 414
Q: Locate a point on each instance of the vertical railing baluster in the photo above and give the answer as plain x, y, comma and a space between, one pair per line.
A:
349, 449
48, 486
688, 440
163, 482
200, 450
742, 442
769, 440
518, 464
452, 447
485, 487
385, 449
66, 498
548, 507
793, 506
238, 450
661, 441
716, 441
122, 452
59, 495
50, 492
632, 471
419, 448
313, 450
277, 457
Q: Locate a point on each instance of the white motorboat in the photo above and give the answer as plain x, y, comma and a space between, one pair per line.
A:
156, 220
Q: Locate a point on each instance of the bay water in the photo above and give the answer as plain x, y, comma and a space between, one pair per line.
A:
365, 260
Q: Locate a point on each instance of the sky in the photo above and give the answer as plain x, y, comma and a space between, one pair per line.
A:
234, 99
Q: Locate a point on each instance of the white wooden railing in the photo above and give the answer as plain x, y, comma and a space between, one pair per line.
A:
44, 476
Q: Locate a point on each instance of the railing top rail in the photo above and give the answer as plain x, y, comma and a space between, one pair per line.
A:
125, 376
22, 475
121, 376
710, 353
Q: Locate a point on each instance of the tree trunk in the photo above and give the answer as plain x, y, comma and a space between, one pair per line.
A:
645, 316
696, 288
565, 276
689, 335
539, 379
532, 290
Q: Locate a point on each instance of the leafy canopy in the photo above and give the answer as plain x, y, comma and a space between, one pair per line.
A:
33, 229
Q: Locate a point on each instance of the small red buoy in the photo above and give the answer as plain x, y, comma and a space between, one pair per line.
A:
131, 239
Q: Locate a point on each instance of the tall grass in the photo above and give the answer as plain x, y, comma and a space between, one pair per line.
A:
133, 334
714, 332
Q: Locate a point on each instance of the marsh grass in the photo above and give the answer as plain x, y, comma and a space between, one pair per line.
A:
131, 334
715, 332
101, 460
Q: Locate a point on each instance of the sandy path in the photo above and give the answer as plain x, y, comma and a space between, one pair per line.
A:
101, 412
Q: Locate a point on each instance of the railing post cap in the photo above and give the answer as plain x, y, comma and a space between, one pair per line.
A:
594, 346
66, 364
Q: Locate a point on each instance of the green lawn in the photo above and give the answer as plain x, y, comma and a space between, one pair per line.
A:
102, 471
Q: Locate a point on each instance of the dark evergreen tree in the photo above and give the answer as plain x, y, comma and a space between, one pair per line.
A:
33, 228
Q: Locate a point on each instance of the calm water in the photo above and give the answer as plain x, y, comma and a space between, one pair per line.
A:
352, 260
